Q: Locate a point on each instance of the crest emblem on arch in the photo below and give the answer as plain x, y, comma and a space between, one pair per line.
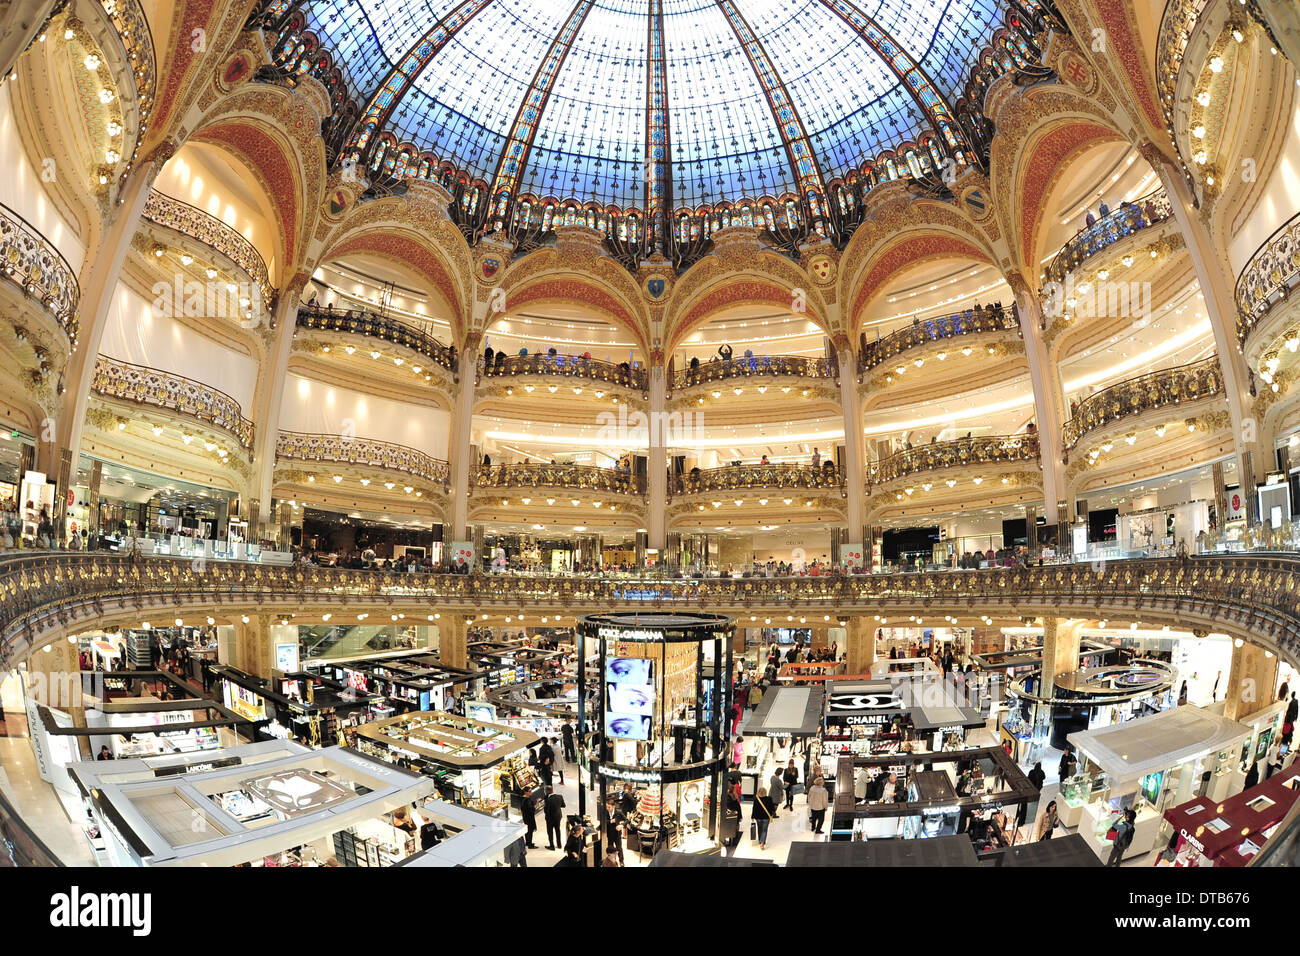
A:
490, 267
655, 287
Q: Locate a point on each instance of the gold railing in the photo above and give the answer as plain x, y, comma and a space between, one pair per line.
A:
198, 225
1270, 276
929, 331
1165, 388
575, 477
1180, 18
570, 366
754, 366
740, 477
984, 450
1122, 222
147, 386
137, 39
374, 325
339, 449
1254, 595
30, 261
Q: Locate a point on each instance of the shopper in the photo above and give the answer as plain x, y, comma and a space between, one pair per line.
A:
546, 763
777, 790
818, 801
570, 751
1047, 825
1065, 769
571, 858
789, 778
615, 822
528, 809
554, 817
1124, 831
1292, 711
1037, 776
763, 813
555, 760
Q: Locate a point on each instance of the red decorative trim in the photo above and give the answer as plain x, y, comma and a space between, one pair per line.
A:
908, 252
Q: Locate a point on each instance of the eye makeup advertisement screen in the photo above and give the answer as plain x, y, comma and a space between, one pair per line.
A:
629, 698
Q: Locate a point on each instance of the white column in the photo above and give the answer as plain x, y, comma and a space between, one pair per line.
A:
459, 450
657, 461
270, 396
1048, 402
851, 405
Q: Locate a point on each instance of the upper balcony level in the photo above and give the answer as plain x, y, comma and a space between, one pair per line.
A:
766, 477
946, 455
750, 366
204, 232
147, 386
1127, 220
1131, 398
382, 327
1268, 279
30, 262
549, 370
525, 475
366, 452
940, 333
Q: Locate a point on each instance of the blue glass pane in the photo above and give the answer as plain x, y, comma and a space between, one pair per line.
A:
963, 32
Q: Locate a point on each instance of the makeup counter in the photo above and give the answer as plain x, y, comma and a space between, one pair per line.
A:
298, 705
418, 681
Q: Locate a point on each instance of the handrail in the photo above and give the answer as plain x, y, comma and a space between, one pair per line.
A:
984, 449
198, 225
137, 39
1134, 396
753, 366
572, 366
1176, 26
1128, 219
1268, 277
374, 325
114, 378
301, 446
542, 475
31, 262
924, 332
740, 477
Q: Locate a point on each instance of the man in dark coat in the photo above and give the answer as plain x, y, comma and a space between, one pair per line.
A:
528, 807
554, 818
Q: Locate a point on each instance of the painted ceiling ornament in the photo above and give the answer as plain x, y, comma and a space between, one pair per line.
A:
1076, 71
489, 266
237, 70
823, 269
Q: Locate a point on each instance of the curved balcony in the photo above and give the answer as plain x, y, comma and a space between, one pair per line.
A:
46, 596
374, 325
337, 449
1161, 389
137, 39
210, 231
930, 331
147, 386
741, 477
984, 450
1269, 277
30, 261
755, 366
1148, 211
566, 366
1176, 26
575, 477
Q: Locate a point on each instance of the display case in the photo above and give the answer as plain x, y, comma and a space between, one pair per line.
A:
1077, 792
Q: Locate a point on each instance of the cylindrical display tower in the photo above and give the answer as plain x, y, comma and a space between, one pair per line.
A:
653, 694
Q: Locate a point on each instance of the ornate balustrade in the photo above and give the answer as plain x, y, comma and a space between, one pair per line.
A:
1270, 276
137, 39
1161, 389
541, 475
30, 261
929, 331
754, 366
741, 477
147, 386
1128, 219
569, 366
374, 325
1256, 595
362, 451
1180, 18
984, 450
210, 231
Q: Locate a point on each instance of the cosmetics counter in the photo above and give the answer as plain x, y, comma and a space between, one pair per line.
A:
1230, 832
863, 718
298, 705
409, 682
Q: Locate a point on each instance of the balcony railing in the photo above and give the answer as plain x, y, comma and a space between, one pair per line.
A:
754, 366
147, 386
362, 451
137, 39
1125, 221
937, 456
210, 231
741, 477
970, 322
1270, 275
570, 366
29, 261
374, 325
1161, 389
1180, 18
575, 477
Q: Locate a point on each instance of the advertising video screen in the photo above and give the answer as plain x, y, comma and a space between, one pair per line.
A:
631, 699
629, 670
627, 726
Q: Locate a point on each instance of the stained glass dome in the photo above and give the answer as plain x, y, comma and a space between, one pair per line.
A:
652, 104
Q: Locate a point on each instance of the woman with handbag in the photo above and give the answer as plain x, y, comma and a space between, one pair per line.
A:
761, 817
1048, 823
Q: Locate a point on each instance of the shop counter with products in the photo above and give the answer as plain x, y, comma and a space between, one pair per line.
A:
1209, 832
